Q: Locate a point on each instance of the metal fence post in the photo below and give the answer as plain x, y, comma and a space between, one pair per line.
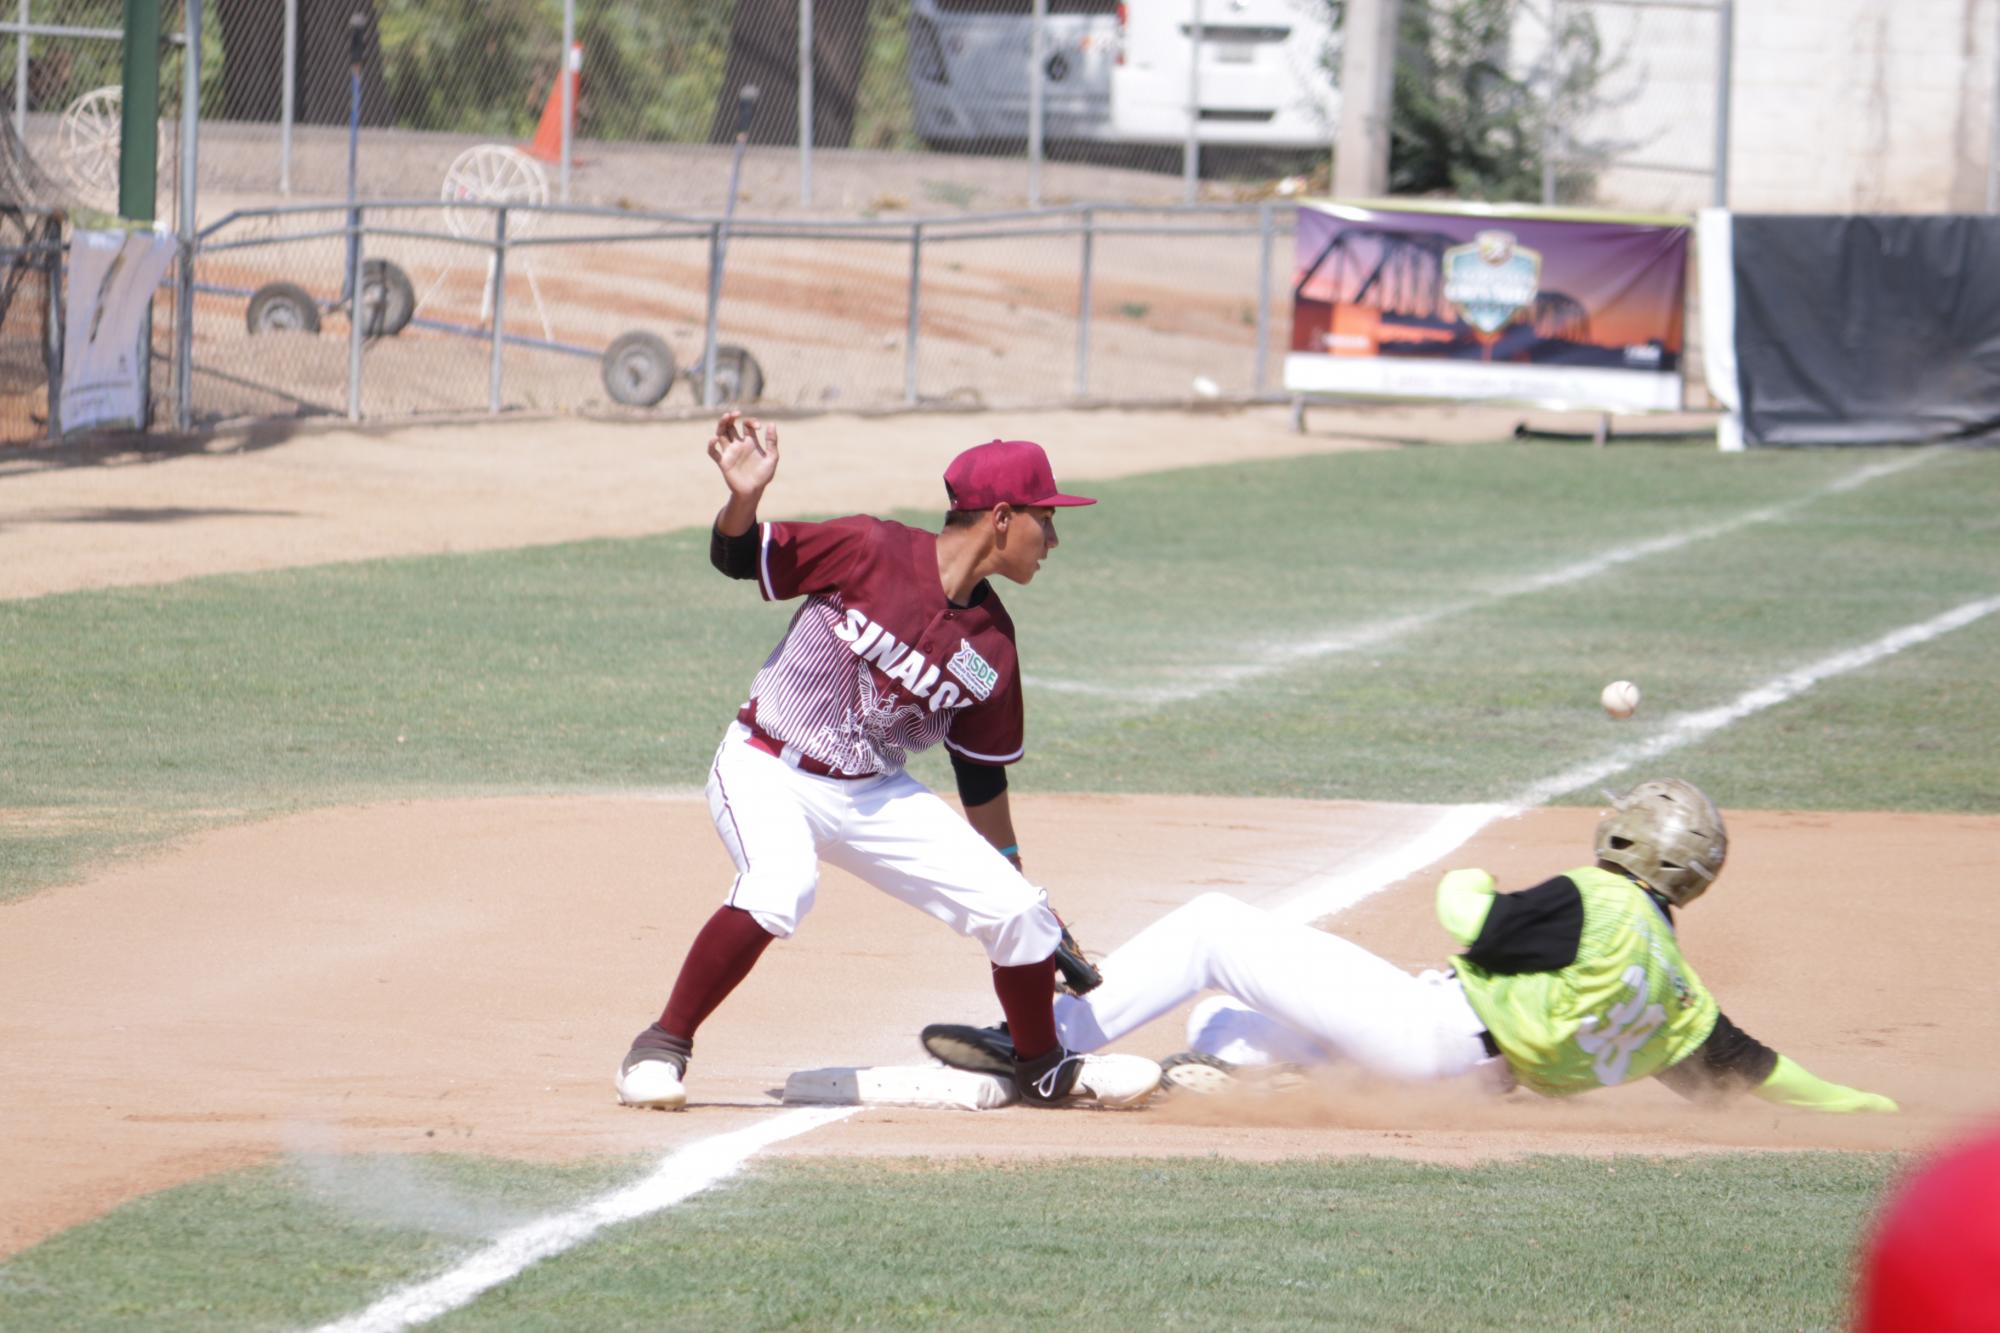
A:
1265, 227
21, 72
493, 379
709, 319
139, 113
718, 238
1191, 151
1036, 94
568, 70
1553, 55
1725, 58
53, 334
805, 103
916, 307
1993, 143
1083, 304
184, 338
183, 367
355, 268
287, 112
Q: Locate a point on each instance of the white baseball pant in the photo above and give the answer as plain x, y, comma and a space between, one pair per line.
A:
1299, 994
892, 831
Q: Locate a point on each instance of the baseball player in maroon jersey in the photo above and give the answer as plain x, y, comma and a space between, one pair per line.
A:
901, 643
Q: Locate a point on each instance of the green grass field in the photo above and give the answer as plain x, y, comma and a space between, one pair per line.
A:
1358, 625
1751, 1242
138, 713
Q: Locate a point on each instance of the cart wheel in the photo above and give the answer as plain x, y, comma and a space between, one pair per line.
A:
638, 368
738, 377
282, 307
387, 299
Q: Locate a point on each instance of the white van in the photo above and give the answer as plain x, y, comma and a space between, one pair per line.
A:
1265, 73
969, 69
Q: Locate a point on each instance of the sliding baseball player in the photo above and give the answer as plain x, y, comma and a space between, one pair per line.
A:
1574, 984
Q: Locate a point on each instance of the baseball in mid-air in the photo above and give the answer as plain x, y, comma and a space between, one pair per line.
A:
1620, 698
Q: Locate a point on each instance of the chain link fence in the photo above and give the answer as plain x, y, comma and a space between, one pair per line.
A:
866, 106
30, 326
31, 250
62, 87
475, 308
986, 93
63, 90
973, 201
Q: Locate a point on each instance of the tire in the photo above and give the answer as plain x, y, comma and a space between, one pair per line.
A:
387, 299
638, 368
738, 377
281, 307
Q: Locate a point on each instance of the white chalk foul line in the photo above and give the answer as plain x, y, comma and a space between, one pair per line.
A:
1279, 657
1325, 895
687, 1172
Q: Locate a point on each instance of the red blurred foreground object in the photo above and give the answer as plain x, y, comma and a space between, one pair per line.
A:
1932, 1260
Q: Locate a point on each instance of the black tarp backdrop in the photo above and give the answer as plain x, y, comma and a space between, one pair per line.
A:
1867, 330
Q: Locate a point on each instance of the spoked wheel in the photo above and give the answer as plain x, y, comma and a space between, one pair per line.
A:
493, 173
87, 140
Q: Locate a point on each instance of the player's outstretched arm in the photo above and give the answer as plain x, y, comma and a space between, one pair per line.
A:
1790, 1085
1732, 1061
746, 453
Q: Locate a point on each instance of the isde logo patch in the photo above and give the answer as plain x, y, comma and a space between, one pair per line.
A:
978, 675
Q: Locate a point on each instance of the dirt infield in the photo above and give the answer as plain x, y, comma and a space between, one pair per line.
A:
462, 976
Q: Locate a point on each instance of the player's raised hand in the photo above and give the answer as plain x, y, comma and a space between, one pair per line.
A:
746, 452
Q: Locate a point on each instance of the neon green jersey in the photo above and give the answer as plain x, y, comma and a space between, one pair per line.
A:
1626, 1008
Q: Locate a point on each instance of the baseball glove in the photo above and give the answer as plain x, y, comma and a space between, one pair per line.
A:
1078, 975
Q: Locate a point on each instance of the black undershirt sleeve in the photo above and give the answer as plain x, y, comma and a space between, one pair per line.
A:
1731, 1060
1534, 930
977, 783
734, 556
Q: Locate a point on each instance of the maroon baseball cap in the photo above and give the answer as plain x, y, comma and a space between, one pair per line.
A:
1014, 472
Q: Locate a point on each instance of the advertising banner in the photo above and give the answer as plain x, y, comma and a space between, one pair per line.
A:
1541, 307
112, 278
1862, 329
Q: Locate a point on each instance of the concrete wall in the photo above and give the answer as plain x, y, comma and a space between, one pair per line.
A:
1838, 105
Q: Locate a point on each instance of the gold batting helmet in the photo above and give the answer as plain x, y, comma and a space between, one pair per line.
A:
1668, 836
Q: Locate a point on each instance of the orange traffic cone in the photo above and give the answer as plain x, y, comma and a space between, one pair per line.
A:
547, 143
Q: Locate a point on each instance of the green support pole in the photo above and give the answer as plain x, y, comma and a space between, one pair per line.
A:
138, 143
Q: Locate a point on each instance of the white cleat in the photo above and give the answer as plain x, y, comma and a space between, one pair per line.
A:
651, 1085
1209, 1076
1116, 1080
1202, 1075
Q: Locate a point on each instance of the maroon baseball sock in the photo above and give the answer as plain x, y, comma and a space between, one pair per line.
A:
1027, 997
720, 957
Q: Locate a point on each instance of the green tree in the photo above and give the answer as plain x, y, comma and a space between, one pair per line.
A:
1461, 123
1472, 117
650, 67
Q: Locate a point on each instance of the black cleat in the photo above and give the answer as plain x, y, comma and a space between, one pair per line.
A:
980, 1050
